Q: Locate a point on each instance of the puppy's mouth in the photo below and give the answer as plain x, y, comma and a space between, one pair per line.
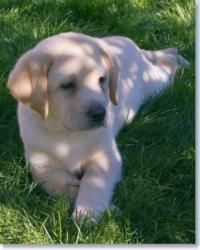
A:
96, 125
91, 125
86, 127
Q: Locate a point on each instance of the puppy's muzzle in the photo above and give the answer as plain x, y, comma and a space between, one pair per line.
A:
96, 114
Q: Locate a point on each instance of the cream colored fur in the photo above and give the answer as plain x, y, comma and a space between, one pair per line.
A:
59, 139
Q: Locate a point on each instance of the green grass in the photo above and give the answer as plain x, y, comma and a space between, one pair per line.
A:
156, 196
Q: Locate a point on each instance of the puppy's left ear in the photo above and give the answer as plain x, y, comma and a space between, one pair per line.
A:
114, 72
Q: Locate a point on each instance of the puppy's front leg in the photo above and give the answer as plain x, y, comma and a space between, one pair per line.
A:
52, 176
96, 188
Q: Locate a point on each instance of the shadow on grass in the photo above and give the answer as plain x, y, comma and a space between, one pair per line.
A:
152, 218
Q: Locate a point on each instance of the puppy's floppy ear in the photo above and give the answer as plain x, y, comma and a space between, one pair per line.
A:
27, 82
114, 72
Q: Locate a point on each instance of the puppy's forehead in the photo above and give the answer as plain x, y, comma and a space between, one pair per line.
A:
72, 53
70, 44
74, 66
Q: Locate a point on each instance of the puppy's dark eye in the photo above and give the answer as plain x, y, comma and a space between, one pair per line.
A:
102, 79
68, 86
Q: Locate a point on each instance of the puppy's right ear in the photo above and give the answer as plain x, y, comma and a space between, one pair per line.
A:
112, 65
27, 82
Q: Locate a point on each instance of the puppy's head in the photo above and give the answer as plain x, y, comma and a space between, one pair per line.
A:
68, 77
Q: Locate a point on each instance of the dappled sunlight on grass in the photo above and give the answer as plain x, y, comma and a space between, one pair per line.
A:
155, 199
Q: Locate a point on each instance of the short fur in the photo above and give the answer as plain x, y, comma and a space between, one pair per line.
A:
60, 140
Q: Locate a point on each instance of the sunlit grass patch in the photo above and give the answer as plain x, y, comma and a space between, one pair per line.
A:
155, 200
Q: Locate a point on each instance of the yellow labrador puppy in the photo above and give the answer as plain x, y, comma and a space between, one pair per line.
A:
75, 92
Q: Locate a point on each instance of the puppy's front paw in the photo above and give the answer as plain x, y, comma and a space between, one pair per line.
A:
57, 184
84, 214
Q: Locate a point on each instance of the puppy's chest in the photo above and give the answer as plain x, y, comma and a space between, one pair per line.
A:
72, 153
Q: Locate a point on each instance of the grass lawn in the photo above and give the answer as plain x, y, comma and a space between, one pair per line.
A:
156, 198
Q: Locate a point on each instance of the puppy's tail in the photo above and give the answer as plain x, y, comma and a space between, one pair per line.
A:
163, 65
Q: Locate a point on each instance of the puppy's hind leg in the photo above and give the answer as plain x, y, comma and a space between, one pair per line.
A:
161, 69
171, 60
158, 57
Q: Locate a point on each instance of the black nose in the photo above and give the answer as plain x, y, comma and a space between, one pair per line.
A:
96, 113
